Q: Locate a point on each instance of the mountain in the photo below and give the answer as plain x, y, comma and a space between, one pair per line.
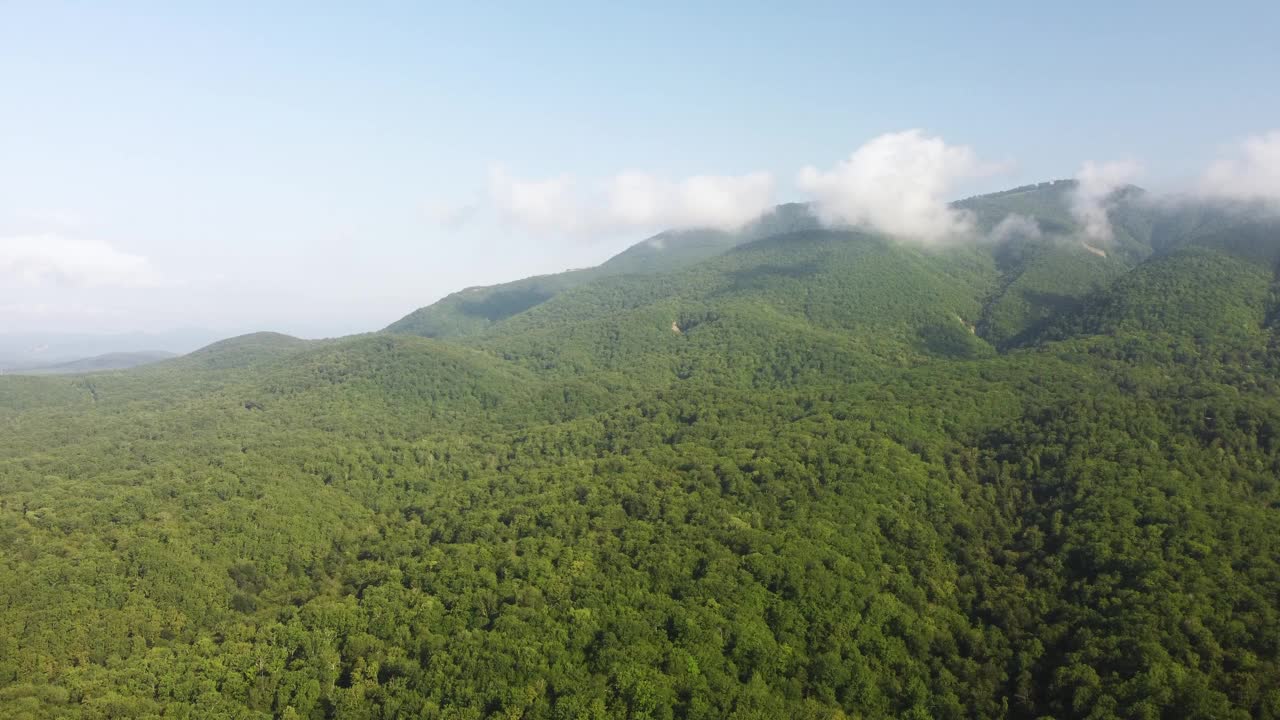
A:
245, 350
98, 363
1043, 269
813, 473
42, 349
472, 310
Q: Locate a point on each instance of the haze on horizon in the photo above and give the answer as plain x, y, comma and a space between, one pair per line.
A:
323, 171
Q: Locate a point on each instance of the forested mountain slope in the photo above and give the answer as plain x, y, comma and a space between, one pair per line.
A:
472, 310
816, 474
1037, 268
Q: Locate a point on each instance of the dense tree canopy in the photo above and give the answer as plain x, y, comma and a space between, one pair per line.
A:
817, 475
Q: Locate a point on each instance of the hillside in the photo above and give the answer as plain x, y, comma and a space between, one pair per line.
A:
245, 350
811, 473
473, 310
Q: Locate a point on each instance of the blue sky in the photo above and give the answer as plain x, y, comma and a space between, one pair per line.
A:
323, 169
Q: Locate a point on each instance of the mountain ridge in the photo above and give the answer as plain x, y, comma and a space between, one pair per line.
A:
96, 363
473, 310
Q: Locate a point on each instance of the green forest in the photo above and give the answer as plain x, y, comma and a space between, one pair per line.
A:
788, 472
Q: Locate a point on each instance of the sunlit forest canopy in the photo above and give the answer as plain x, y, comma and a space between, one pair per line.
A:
792, 471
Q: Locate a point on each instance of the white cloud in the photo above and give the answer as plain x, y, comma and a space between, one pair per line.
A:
540, 206
631, 201
38, 260
1251, 171
451, 216
900, 184
1015, 226
1096, 183
718, 201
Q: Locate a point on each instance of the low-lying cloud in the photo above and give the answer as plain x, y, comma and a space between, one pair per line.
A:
628, 202
1250, 171
451, 217
1015, 227
1090, 202
54, 260
900, 184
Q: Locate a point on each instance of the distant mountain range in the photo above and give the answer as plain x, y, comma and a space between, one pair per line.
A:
30, 350
97, 363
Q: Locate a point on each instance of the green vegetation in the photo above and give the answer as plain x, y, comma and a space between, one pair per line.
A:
473, 310
813, 474
1042, 280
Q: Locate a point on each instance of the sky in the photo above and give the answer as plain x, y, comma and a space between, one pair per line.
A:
323, 169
